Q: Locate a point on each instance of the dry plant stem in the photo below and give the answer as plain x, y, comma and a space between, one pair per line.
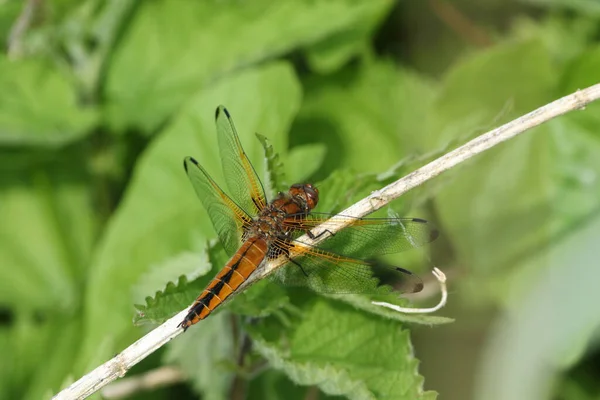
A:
118, 366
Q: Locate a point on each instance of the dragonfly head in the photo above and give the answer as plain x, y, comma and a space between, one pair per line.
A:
307, 192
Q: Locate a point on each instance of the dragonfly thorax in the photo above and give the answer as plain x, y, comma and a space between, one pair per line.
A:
295, 204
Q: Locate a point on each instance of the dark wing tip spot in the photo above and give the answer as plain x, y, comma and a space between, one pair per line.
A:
218, 112
222, 108
413, 284
189, 159
434, 234
418, 287
404, 271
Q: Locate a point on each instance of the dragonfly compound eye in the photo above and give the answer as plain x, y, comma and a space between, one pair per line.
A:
312, 195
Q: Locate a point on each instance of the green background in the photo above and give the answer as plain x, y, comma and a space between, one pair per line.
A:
101, 235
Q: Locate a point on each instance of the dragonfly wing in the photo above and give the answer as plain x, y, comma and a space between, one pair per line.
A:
228, 219
328, 272
369, 237
242, 180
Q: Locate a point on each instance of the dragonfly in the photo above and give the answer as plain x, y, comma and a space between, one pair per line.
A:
254, 231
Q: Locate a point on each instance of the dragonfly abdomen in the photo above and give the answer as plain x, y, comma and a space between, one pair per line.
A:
249, 256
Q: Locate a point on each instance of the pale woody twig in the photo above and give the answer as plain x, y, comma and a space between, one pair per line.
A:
119, 365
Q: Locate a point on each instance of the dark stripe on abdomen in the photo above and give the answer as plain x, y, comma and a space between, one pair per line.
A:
235, 272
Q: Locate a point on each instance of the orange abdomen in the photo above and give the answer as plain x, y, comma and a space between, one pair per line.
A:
249, 256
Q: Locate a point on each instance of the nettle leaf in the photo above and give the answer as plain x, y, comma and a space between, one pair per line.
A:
40, 107
190, 265
21, 344
479, 92
270, 384
275, 181
177, 296
332, 52
47, 232
160, 215
304, 161
153, 73
343, 351
301, 162
369, 116
262, 299
168, 302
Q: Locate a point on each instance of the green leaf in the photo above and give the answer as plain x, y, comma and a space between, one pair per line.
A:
202, 354
39, 106
168, 302
47, 232
271, 384
480, 92
275, 181
335, 50
190, 265
154, 71
24, 377
343, 351
368, 116
196, 272
262, 299
303, 161
160, 215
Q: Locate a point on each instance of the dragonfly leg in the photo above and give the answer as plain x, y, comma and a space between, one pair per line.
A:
313, 236
297, 264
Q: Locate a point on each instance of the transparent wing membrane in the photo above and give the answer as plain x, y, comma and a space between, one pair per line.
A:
328, 272
369, 237
228, 219
241, 178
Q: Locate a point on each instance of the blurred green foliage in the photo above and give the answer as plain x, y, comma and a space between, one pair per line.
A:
101, 233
